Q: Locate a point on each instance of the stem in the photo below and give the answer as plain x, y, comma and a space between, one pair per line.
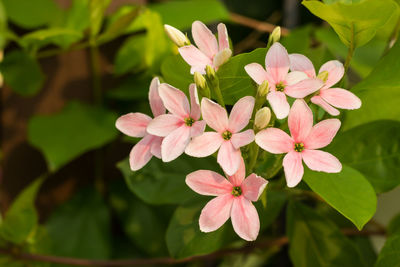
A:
255, 24
350, 52
218, 93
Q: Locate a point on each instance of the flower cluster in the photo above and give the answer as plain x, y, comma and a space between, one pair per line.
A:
179, 124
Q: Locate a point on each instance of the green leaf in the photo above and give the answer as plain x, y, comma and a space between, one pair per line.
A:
184, 238
3, 26
97, 9
131, 88
275, 203
130, 55
352, 22
21, 218
81, 227
348, 192
389, 255
298, 40
33, 13
394, 225
164, 183
77, 129
176, 72
44, 37
315, 241
374, 150
22, 73
379, 92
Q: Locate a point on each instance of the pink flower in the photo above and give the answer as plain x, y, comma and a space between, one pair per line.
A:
328, 97
233, 199
209, 51
281, 83
180, 125
227, 138
134, 124
303, 143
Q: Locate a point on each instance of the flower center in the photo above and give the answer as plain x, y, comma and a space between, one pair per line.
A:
236, 191
189, 122
280, 87
227, 135
298, 147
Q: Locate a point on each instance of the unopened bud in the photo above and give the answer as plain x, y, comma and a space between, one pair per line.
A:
210, 72
263, 88
323, 76
199, 80
263, 116
176, 36
275, 36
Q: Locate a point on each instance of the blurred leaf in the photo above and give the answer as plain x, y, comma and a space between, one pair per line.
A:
3, 26
348, 192
366, 248
22, 73
164, 183
33, 13
44, 37
374, 150
184, 238
275, 202
394, 225
389, 255
315, 241
352, 21
130, 56
131, 88
77, 129
176, 72
21, 218
81, 227
379, 92
298, 41
97, 9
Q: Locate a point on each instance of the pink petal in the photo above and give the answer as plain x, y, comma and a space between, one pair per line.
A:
175, 143
215, 213
221, 57
253, 186
156, 146
204, 39
277, 62
295, 77
274, 140
258, 73
300, 120
214, 115
223, 40
194, 102
194, 57
303, 88
335, 71
237, 178
140, 153
156, 104
197, 128
279, 104
229, 158
300, 62
317, 100
208, 183
322, 161
242, 139
245, 219
241, 114
133, 124
204, 145
293, 167
174, 100
164, 124
322, 134
341, 98
198, 68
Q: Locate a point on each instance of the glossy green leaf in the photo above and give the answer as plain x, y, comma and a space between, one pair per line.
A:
81, 227
97, 9
33, 13
379, 92
389, 255
164, 183
21, 218
374, 150
349, 192
314, 241
184, 238
22, 73
77, 129
352, 21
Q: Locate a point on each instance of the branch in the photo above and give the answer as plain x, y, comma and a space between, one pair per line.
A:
266, 243
255, 24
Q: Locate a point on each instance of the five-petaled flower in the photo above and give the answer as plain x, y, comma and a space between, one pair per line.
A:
331, 73
227, 137
281, 83
181, 124
209, 51
305, 139
233, 199
135, 124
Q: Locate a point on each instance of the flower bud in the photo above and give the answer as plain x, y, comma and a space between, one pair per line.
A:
263, 116
275, 36
263, 88
323, 76
199, 80
210, 72
176, 36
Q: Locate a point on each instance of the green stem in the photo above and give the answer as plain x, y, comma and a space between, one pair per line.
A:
218, 93
350, 52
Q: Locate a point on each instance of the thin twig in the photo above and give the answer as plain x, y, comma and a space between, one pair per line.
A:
255, 24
